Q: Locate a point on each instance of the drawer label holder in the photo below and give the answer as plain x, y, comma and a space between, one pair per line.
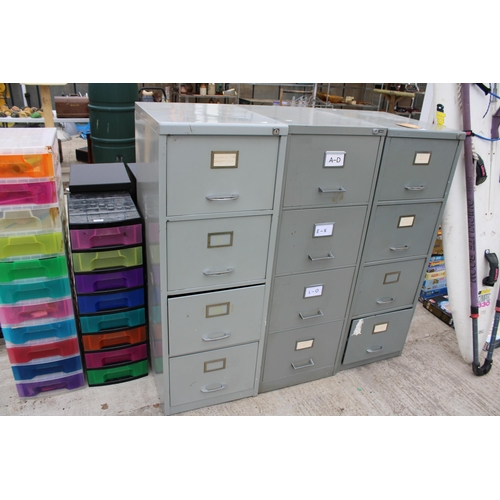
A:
334, 159
224, 159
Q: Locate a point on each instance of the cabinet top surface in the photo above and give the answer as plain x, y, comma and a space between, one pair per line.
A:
26, 140
204, 118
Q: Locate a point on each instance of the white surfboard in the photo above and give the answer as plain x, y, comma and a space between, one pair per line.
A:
487, 212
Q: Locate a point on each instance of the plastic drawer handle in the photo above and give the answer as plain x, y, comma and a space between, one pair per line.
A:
399, 249
386, 300
222, 386
320, 313
311, 363
329, 256
229, 270
339, 190
229, 197
415, 188
222, 336
375, 350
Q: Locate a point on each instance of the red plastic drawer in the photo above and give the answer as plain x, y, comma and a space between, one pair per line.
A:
26, 353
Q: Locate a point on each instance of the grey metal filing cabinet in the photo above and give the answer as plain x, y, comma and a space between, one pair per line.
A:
209, 184
416, 170
330, 171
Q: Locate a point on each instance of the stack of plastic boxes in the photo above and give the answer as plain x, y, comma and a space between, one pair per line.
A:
36, 308
107, 254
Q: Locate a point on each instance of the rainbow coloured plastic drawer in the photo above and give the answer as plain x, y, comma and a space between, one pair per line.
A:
120, 236
115, 375
35, 350
99, 341
15, 220
110, 301
50, 267
105, 323
53, 309
33, 244
113, 357
40, 367
85, 262
36, 331
28, 165
28, 193
103, 281
51, 383
35, 289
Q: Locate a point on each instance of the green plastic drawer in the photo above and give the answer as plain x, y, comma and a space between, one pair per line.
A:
117, 374
51, 267
36, 244
84, 262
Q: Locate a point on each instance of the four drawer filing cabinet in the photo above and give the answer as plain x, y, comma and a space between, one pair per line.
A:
283, 244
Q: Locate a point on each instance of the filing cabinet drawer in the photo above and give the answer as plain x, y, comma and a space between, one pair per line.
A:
377, 336
295, 352
307, 299
198, 377
387, 286
319, 238
309, 183
214, 320
207, 253
415, 169
401, 231
220, 174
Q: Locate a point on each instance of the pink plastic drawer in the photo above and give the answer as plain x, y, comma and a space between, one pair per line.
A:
115, 357
84, 239
28, 193
15, 315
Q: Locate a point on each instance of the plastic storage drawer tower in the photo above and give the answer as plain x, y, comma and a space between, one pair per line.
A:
36, 309
106, 243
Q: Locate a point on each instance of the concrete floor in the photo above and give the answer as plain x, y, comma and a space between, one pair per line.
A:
429, 378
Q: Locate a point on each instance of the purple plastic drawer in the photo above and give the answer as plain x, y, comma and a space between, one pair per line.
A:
116, 356
116, 280
15, 315
28, 193
84, 239
32, 389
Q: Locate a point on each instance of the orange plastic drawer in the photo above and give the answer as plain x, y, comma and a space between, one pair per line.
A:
34, 166
97, 342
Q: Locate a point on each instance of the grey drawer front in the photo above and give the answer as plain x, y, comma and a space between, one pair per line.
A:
193, 175
303, 246
401, 179
214, 320
306, 173
290, 309
198, 250
376, 336
298, 351
388, 286
198, 377
401, 231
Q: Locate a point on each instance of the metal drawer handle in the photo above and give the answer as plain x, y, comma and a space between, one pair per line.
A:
222, 335
399, 249
329, 256
222, 386
229, 270
339, 190
415, 188
386, 300
223, 198
320, 313
311, 363
375, 350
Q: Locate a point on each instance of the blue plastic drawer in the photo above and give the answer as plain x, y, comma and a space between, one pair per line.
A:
111, 301
35, 289
38, 331
112, 321
29, 371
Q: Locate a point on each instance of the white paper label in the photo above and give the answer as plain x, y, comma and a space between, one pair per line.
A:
334, 158
358, 329
324, 229
313, 291
382, 327
422, 158
304, 344
406, 221
224, 160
